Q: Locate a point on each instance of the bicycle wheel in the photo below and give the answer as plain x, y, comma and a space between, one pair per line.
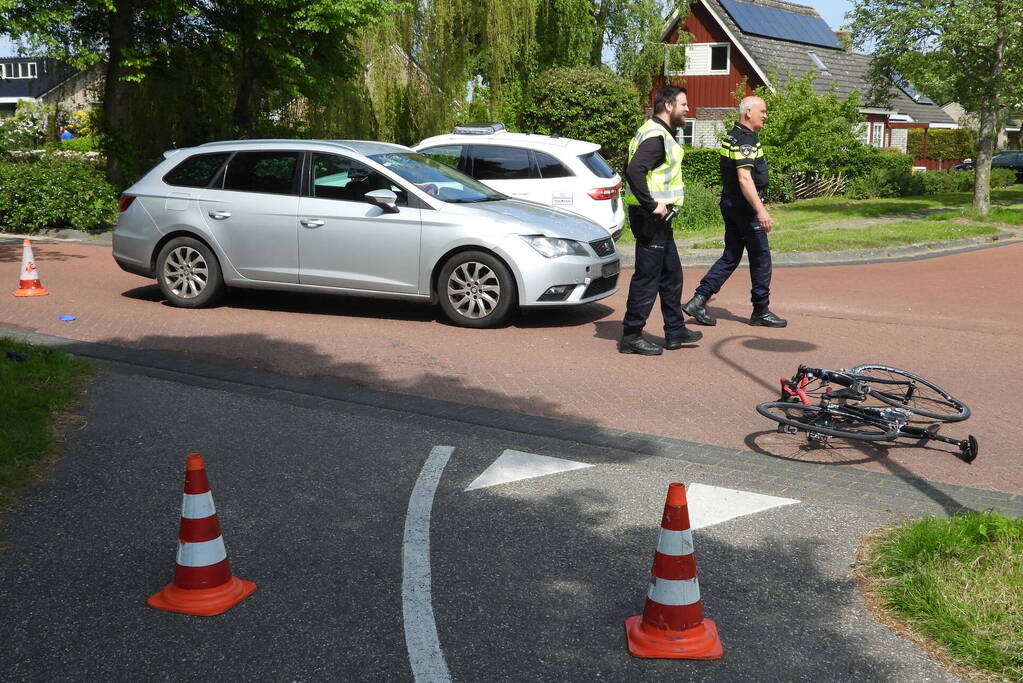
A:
915, 394
833, 421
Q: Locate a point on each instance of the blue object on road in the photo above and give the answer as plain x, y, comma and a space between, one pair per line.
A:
68, 318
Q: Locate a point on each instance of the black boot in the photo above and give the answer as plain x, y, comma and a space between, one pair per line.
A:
687, 337
635, 343
697, 309
763, 316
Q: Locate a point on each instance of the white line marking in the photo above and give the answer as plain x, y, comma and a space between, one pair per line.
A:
516, 465
424, 653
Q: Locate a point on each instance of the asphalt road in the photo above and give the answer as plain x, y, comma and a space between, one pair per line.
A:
531, 580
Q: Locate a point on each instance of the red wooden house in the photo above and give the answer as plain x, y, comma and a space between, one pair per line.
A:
763, 39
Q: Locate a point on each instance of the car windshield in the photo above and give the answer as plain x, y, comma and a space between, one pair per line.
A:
436, 179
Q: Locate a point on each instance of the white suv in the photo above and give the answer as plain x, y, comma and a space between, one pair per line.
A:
548, 169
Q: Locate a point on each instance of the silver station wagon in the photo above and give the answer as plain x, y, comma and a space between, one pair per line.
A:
358, 218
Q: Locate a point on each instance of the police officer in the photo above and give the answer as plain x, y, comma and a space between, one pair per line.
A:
654, 175
743, 179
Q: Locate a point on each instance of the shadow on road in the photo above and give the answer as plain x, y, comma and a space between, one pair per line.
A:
11, 253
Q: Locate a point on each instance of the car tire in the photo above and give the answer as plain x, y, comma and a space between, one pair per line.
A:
476, 289
189, 274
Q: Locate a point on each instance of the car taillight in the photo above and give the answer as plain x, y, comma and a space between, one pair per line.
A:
125, 202
605, 192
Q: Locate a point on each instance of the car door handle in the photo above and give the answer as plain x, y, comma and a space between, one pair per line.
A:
313, 222
220, 215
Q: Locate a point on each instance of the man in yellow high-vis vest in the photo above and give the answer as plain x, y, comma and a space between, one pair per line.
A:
654, 174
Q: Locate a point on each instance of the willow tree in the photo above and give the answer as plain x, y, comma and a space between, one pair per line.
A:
965, 51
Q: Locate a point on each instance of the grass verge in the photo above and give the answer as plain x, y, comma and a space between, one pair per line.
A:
37, 385
812, 213
873, 237
956, 585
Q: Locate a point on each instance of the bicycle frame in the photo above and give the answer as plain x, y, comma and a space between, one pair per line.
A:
836, 404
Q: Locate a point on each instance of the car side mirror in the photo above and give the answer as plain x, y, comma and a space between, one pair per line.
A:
385, 199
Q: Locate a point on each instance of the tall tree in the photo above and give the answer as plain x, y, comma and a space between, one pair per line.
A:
294, 48
966, 51
128, 34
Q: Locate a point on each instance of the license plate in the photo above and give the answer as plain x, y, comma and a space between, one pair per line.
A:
609, 269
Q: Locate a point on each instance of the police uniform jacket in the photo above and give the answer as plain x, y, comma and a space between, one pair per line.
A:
740, 147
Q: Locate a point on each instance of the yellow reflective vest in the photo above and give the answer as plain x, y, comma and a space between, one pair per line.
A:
664, 182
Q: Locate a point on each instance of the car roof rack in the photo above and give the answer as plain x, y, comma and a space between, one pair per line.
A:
478, 128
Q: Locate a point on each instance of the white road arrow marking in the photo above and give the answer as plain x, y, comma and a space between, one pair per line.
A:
516, 465
709, 505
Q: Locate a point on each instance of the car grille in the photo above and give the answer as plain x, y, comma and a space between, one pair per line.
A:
604, 247
601, 285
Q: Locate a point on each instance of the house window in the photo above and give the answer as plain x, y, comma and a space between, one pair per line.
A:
705, 59
877, 134
20, 70
684, 135
719, 58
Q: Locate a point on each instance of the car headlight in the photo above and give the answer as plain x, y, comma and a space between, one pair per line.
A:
553, 247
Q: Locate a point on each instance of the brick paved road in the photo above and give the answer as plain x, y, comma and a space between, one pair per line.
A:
956, 319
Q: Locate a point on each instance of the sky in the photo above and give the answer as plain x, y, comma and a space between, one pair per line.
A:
831, 10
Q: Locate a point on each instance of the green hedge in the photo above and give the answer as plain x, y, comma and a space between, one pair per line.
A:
702, 166
50, 193
958, 143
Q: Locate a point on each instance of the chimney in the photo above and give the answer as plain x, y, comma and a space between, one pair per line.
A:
845, 39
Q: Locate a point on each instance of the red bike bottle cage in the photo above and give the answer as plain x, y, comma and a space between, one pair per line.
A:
788, 390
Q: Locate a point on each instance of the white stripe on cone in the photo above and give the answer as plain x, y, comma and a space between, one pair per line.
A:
197, 505
674, 593
202, 554
675, 542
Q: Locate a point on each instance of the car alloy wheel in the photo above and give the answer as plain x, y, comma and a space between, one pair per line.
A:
474, 290
186, 272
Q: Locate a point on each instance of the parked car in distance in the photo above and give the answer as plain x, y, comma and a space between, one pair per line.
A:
1010, 158
561, 172
358, 218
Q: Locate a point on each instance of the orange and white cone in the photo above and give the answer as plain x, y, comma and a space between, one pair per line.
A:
672, 624
29, 284
203, 583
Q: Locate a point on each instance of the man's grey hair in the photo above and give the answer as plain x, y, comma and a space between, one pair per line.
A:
746, 103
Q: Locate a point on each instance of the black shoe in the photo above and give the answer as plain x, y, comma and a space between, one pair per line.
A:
696, 308
687, 337
639, 345
766, 319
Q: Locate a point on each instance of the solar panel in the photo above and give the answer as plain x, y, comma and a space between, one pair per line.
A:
775, 23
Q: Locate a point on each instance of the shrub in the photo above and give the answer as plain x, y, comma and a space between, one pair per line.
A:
700, 209
956, 143
587, 103
54, 193
1002, 177
885, 182
85, 143
702, 166
939, 182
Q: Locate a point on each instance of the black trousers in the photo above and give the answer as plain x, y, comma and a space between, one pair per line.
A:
742, 232
658, 272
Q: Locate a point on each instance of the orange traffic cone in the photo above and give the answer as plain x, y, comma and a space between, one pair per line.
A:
672, 624
29, 284
203, 583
